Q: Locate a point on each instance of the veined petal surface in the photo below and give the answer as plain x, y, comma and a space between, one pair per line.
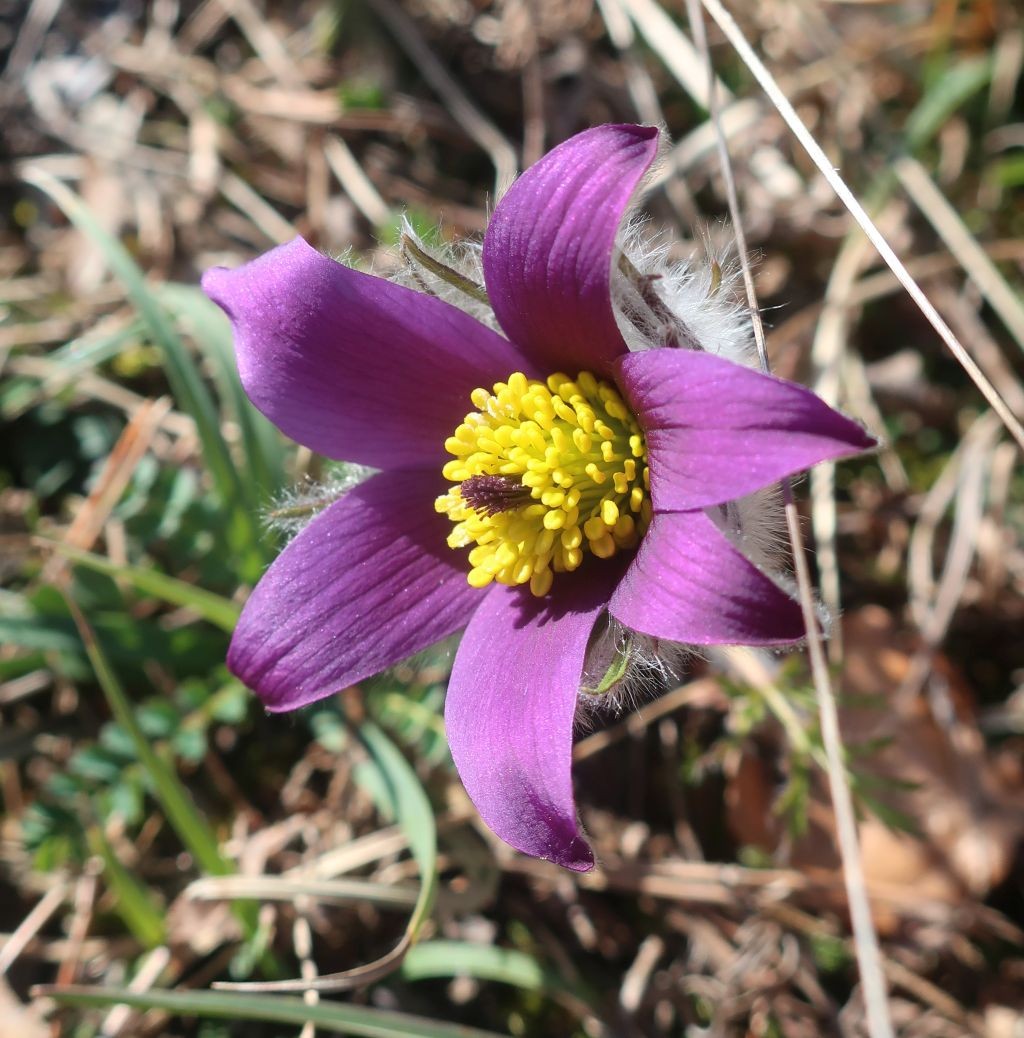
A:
368, 583
510, 709
548, 249
717, 431
353, 366
689, 584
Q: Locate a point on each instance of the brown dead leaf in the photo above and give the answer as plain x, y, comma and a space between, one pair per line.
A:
931, 765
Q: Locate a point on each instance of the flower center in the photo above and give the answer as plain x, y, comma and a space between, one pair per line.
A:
545, 472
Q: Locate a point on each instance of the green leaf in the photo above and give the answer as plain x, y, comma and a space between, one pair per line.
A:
44, 633
333, 1017
414, 814
433, 959
217, 610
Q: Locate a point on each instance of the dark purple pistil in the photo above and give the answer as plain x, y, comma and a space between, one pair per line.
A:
490, 495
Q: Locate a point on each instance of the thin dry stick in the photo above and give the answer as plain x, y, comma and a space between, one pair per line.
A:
31, 925
261, 213
645, 99
827, 354
356, 184
691, 68
153, 966
959, 240
865, 938
933, 605
735, 36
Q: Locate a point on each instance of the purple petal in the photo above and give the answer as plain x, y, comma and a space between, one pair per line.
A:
548, 249
369, 582
510, 709
353, 366
717, 430
689, 584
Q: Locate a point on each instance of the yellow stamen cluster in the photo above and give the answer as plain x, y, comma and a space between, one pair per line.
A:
546, 472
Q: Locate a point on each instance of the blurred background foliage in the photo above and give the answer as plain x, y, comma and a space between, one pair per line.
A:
159, 832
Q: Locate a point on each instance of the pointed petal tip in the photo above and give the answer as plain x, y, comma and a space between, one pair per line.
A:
221, 283
688, 583
547, 253
717, 430
576, 857
214, 284
510, 710
641, 132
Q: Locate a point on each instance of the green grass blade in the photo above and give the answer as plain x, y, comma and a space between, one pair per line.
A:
331, 1017
217, 610
181, 812
209, 327
72, 359
957, 84
185, 379
134, 903
414, 814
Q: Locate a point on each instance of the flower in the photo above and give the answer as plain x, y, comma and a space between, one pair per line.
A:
531, 484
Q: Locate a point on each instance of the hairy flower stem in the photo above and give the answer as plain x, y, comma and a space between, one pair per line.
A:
675, 332
410, 247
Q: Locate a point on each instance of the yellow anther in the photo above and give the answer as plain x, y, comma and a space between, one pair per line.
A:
544, 474
554, 520
545, 540
580, 440
594, 528
523, 571
603, 547
540, 582
479, 577
595, 473
453, 445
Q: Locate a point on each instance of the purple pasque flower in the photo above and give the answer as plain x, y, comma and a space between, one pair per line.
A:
586, 481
